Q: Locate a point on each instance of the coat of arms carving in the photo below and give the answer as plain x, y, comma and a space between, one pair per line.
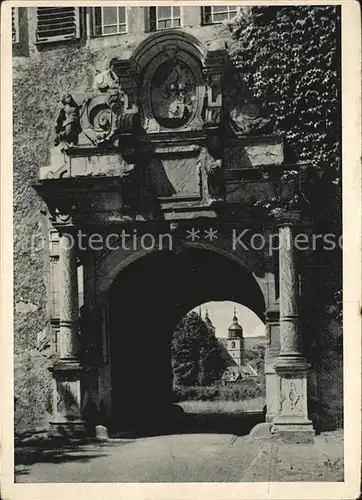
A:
173, 94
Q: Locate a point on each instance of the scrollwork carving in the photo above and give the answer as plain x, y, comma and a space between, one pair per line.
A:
104, 117
100, 115
61, 217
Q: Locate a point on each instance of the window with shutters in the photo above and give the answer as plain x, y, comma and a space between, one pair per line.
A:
109, 21
57, 24
218, 13
15, 24
163, 17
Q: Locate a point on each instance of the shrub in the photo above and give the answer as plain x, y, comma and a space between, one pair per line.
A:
289, 58
235, 392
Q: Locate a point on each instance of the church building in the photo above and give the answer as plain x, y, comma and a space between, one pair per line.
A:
233, 351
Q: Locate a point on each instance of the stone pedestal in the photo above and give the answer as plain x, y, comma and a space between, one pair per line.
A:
292, 423
66, 419
271, 354
67, 370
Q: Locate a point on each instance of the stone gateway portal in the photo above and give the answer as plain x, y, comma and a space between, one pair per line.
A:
159, 195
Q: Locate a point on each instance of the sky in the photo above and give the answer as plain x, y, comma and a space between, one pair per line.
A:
221, 314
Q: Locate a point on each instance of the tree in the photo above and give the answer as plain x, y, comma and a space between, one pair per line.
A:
196, 354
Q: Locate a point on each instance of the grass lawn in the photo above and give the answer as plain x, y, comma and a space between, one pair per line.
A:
205, 407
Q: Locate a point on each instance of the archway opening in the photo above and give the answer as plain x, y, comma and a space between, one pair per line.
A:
146, 301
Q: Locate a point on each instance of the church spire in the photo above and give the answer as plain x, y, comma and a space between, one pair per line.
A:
235, 330
235, 318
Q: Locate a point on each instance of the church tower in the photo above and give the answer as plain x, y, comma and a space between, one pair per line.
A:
235, 341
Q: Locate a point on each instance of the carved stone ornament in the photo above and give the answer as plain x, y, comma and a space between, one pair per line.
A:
106, 80
173, 94
247, 119
67, 126
171, 51
100, 116
106, 113
61, 217
214, 180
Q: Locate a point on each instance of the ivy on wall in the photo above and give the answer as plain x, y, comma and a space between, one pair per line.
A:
288, 58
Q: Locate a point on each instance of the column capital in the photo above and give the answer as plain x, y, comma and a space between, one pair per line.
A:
293, 218
65, 228
66, 365
288, 218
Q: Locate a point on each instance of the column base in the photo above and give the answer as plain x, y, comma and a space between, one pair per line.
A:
293, 430
67, 429
262, 430
292, 425
67, 420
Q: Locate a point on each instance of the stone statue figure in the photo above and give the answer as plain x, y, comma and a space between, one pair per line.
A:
67, 126
214, 180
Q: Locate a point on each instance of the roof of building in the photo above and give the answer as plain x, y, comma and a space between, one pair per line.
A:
231, 373
234, 372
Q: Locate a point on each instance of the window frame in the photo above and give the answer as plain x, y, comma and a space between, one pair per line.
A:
102, 35
227, 7
153, 17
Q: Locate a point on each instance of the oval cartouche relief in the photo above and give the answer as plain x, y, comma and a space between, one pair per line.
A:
173, 94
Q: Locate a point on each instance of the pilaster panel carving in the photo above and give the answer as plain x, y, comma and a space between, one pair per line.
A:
292, 396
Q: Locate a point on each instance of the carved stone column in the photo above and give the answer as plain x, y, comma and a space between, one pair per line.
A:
291, 423
68, 298
67, 370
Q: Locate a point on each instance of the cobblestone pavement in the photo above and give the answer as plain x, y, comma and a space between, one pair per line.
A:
321, 461
184, 458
